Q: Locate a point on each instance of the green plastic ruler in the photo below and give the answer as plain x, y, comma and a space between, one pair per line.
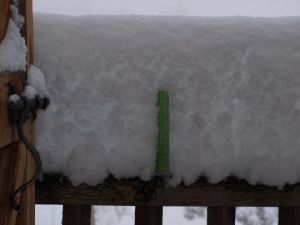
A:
162, 154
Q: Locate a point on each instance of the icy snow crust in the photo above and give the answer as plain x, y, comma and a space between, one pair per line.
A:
233, 83
13, 48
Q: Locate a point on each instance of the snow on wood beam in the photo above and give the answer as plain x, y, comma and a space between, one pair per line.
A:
145, 215
230, 193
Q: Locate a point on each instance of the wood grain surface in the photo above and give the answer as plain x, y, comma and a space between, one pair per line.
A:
4, 16
56, 189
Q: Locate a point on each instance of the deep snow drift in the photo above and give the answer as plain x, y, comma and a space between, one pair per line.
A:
233, 85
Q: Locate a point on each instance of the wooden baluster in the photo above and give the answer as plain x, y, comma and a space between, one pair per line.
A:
289, 216
220, 215
146, 215
76, 215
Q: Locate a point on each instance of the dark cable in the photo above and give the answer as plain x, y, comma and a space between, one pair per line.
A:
38, 167
22, 110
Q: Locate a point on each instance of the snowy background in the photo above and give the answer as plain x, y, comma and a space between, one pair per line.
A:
172, 7
51, 215
111, 215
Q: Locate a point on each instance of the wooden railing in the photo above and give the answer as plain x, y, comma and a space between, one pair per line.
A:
221, 199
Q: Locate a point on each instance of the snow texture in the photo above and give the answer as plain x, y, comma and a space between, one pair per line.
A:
14, 98
233, 84
35, 85
12, 48
30, 92
36, 79
16, 17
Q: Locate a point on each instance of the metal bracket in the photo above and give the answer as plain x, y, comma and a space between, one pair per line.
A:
11, 91
19, 112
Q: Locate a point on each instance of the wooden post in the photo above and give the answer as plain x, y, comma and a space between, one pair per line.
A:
4, 16
27, 31
145, 215
16, 164
12, 163
12, 152
76, 215
220, 215
289, 216
28, 198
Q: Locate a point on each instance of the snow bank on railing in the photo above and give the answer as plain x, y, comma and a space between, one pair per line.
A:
233, 85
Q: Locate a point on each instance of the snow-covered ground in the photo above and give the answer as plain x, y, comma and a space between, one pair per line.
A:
171, 7
233, 84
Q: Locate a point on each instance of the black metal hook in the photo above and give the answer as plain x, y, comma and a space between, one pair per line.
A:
21, 110
38, 167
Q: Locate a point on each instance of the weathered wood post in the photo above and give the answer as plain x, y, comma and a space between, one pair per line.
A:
16, 165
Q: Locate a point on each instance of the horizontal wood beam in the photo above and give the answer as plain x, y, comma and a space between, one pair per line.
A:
233, 192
